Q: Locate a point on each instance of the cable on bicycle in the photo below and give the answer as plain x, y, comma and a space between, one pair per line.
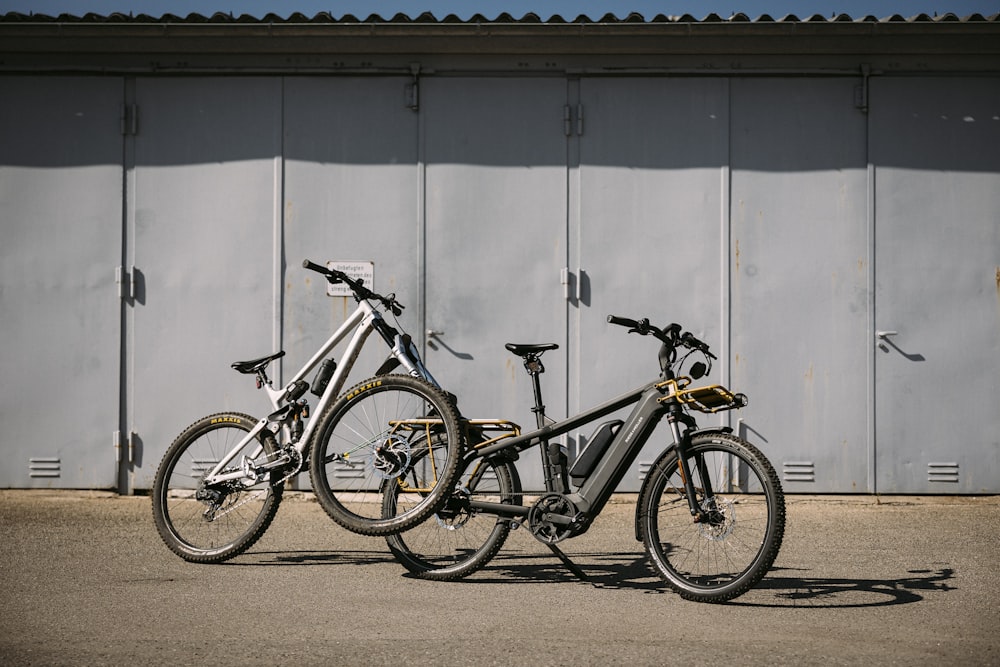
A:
672, 337
335, 277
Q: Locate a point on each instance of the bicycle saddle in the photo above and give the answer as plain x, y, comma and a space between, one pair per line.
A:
531, 348
255, 365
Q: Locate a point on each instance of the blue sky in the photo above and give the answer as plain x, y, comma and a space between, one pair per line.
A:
464, 9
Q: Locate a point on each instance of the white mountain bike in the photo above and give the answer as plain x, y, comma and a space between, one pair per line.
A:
219, 484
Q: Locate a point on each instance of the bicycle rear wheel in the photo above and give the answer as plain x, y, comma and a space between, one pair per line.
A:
458, 539
734, 541
392, 429
210, 524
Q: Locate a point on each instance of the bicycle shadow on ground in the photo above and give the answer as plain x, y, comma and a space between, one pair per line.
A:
287, 558
781, 587
620, 570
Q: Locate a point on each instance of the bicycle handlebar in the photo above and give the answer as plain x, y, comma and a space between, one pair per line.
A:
670, 335
334, 277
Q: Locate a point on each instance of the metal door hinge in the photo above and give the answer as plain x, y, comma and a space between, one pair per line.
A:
411, 90
125, 281
575, 286
129, 118
568, 117
129, 443
861, 90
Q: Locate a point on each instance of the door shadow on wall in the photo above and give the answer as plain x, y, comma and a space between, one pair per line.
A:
887, 343
437, 343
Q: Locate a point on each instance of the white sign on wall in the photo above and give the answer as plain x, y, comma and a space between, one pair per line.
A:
355, 270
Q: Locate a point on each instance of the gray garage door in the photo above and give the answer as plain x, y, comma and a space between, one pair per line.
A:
495, 160
204, 213
60, 322
799, 278
936, 150
650, 235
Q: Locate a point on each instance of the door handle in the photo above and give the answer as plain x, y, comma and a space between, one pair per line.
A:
883, 338
433, 333
884, 345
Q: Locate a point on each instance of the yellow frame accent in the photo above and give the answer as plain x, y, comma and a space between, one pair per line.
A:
710, 398
509, 429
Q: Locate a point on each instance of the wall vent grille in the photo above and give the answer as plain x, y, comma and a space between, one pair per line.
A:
201, 467
942, 472
44, 466
347, 471
799, 471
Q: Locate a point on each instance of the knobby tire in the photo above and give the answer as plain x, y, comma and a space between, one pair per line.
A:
391, 429
212, 531
457, 540
734, 542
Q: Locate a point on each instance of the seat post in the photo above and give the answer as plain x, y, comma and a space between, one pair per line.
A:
535, 368
553, 455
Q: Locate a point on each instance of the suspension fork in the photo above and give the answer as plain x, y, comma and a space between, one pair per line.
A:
683, 444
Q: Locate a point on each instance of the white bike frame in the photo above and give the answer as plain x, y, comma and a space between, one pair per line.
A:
363, 320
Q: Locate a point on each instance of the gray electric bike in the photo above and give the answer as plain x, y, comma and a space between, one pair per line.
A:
710, 511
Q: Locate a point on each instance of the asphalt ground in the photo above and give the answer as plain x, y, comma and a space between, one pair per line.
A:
859, 581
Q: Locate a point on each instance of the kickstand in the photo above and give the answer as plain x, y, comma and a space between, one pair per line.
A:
570, 565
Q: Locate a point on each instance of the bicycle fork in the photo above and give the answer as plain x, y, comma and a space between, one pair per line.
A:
682, 441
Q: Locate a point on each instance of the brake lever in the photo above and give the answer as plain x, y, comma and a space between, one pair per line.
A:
393, 305
692, 342
641, 327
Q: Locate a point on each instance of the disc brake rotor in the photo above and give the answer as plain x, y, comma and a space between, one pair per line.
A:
456, 512
719, 519
391, 458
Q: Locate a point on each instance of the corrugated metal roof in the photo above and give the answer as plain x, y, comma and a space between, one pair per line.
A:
478, 19
324, 42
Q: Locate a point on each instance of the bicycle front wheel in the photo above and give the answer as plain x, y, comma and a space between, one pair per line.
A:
458, 539
212, 523
732, 543
389, 430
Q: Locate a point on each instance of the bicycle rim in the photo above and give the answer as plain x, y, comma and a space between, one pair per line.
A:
736, 537
388, 430
457, 540
210, 525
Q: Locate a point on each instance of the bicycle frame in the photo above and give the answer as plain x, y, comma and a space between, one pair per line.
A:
364, 320
652, 402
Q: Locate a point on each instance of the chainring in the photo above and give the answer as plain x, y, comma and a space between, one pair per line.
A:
540, 515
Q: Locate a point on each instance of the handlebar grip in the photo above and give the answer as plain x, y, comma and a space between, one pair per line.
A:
694, 343
622, 321
306, 264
